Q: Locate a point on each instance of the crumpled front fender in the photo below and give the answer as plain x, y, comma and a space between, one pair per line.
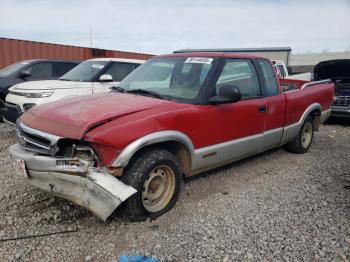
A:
94, 189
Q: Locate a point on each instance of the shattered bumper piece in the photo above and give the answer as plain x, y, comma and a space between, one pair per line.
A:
88, 187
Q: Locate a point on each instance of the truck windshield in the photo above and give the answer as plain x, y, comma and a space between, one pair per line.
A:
8, 70
176, 78
85, 71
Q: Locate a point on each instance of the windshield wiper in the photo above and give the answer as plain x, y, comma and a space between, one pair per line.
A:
64, 79
146, 92
118, 89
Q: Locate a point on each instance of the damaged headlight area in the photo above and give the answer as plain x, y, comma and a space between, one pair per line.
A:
75, 155
71, 169
74, 179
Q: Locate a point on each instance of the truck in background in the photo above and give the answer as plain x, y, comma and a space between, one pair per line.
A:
339, 72
284, 73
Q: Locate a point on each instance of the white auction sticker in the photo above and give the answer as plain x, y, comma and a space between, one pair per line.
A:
97, 66
199, 60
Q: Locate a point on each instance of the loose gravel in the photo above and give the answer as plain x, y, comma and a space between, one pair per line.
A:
276, 206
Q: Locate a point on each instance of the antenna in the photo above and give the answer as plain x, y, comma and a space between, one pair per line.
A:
92, 84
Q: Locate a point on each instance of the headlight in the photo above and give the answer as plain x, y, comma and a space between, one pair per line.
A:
38, 95
32, 95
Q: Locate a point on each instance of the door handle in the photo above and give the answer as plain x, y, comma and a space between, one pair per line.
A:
262, 109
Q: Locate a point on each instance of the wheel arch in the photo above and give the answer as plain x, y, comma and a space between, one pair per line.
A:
175, 142
314, 110
316, 117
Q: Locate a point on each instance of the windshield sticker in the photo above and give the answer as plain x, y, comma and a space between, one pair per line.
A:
199, 60
97, 66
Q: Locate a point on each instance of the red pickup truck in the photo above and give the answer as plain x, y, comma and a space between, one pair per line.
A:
175, 116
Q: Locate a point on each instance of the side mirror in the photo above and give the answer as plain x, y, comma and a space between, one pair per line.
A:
106, 78
227, 94
24, 73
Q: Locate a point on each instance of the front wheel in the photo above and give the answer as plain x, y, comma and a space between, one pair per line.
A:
156, 176
303, 141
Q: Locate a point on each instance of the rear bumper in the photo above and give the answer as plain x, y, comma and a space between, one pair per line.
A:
340, 111
88, 187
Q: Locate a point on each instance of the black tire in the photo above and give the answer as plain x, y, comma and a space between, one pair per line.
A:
298, 145
141, 173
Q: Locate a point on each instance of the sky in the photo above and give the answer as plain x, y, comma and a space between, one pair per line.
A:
162, 26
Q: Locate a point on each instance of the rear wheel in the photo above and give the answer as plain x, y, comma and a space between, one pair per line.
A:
156, 176
303, 141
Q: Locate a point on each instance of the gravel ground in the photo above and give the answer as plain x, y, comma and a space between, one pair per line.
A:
274, 206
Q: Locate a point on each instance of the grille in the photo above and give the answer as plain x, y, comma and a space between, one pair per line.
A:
37, 141
341, 101
11, 112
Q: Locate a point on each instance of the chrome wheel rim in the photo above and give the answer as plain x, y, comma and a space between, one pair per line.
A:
158, 188
306, 135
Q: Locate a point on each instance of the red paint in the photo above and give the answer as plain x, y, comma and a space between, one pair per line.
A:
127, 117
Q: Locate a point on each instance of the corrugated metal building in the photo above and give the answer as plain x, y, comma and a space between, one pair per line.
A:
13, 50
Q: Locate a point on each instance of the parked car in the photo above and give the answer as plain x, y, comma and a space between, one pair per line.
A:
91, 76
339, 72
31, 70
176, 115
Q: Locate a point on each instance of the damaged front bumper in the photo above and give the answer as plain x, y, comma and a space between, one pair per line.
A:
74, 180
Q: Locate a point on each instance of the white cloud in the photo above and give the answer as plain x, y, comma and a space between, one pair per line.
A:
163, 26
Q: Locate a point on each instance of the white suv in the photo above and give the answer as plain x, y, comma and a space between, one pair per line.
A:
91, 76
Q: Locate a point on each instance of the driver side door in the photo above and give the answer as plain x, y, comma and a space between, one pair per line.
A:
236, 129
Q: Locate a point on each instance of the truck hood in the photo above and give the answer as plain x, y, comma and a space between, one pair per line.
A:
72, 118
337, 70
49, 85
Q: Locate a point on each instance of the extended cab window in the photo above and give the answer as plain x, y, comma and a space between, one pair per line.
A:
240, 73
119, 71
270, 81
41, 70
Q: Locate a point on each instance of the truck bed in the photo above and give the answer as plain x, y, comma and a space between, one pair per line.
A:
301, 94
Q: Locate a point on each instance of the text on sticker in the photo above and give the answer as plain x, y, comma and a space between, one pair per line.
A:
199, 60
97, 66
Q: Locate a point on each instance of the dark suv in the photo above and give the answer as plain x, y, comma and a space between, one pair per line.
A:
339, 72
31, 70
